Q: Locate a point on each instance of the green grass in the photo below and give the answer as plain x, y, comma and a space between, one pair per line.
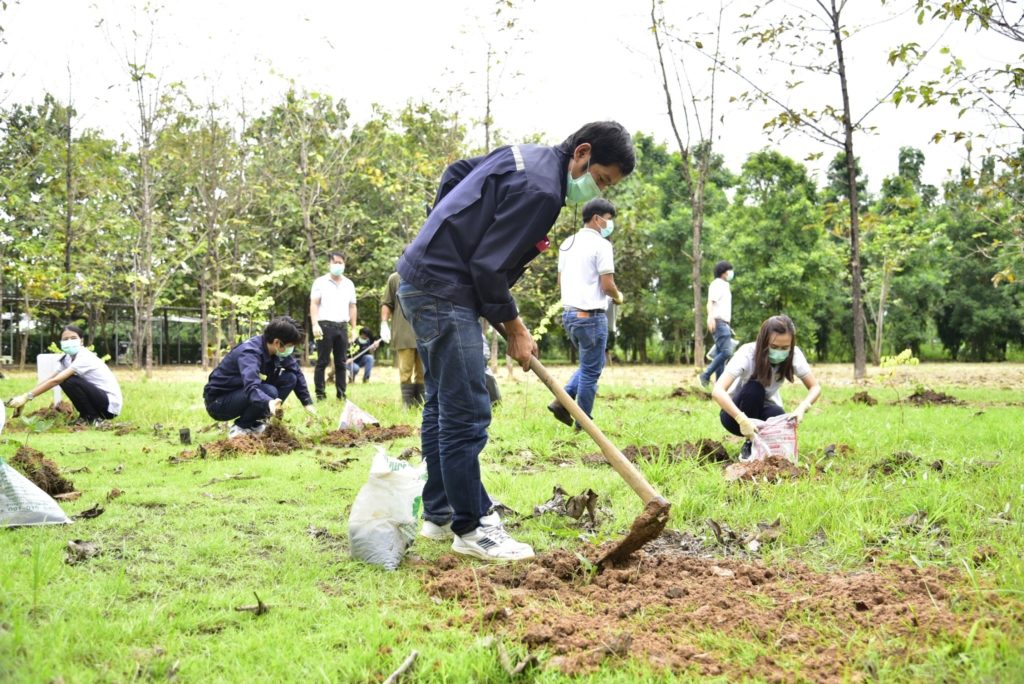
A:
180, 556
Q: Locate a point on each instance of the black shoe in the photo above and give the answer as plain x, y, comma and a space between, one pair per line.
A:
746, 451
321, 397
560, 413
341, 396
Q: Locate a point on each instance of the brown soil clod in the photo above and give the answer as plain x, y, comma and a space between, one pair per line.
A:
927, 397
62, 411
863, 398
688, 393
275, 440
770, 469
645, 528
703, 450
43, 472
899, 462
369, 433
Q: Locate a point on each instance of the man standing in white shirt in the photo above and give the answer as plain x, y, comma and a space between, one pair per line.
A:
719, 315
332, 309
586, 276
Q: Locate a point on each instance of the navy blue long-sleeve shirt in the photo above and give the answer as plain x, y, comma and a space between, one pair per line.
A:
246, 365
490, 220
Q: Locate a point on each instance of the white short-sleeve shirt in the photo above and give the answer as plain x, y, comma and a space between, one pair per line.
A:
720, 296
582, 259
91, 368
741, 367
334, 298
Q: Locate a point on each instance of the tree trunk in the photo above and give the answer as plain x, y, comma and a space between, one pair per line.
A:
70, 192
26, 318
204, 314
859, 356
697, 202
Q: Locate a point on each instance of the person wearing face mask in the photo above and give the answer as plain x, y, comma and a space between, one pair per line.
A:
332, 308
586, 277
490, 219
252, 382
719, 316
748, 389
84, 377
362, 354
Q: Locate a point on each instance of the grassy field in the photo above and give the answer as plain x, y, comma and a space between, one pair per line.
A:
183, 546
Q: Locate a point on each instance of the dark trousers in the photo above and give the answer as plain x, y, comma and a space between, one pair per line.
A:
250, 413
334, 341
457, 409
753, 402
89, 400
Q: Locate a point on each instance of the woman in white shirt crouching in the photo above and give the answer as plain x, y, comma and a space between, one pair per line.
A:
748, 389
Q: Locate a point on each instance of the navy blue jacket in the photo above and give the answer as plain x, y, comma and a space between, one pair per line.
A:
490, 220
243, 367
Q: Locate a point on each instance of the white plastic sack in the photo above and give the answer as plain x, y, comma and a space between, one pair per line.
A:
382, 524
776, 438
22, 503
46, 366
354, 417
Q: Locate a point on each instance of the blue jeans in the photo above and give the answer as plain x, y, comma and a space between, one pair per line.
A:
250, 413
589, 335
366, 363
457, 409
753, 402
723, 346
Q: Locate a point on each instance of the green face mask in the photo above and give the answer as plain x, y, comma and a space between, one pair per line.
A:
582, 189
776, 356
286, 352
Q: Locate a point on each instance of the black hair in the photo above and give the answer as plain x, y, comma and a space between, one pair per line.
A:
73, 328
284, 328
721, 267
597, 207
763, 370
366, 331
331, 255
610, 144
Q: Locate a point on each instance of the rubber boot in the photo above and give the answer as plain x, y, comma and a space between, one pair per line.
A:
419, 393
408, 395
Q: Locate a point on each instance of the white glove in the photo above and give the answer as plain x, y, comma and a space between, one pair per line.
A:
621, 298
310, 409
318, 332
20, 400
385, 332
275, 406
748, 427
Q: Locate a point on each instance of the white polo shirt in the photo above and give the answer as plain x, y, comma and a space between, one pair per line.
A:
720, 296
582, 259
334, 298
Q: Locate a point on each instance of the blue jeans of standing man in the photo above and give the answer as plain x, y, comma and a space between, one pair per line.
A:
723, 351
457, 409
250, 413
589, 334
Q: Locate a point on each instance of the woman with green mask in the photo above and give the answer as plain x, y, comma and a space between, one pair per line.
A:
748, 389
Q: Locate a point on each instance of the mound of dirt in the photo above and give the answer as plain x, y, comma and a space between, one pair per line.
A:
63, 411
704, 450
43, 472
863, 398
275, 440
660, 607
899, 461
688, 393
369, 433
771, 469
926, 397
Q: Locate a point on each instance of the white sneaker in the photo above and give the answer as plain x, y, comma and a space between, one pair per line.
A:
258, 429
444, 532
493, 543
237, 431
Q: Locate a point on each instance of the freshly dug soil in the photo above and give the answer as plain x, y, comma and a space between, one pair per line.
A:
927, 397
275, 440
898, 462
706, 450
863, 398
688, 393
369, 433
43, 472
770, 469
63, 411
660, 607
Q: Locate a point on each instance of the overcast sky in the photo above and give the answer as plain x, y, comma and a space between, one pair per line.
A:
574, 61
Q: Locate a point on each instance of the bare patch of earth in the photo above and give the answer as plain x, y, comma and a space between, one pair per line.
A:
707, 450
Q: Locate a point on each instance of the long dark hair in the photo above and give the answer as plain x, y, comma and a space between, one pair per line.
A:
75, 329
763, 371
